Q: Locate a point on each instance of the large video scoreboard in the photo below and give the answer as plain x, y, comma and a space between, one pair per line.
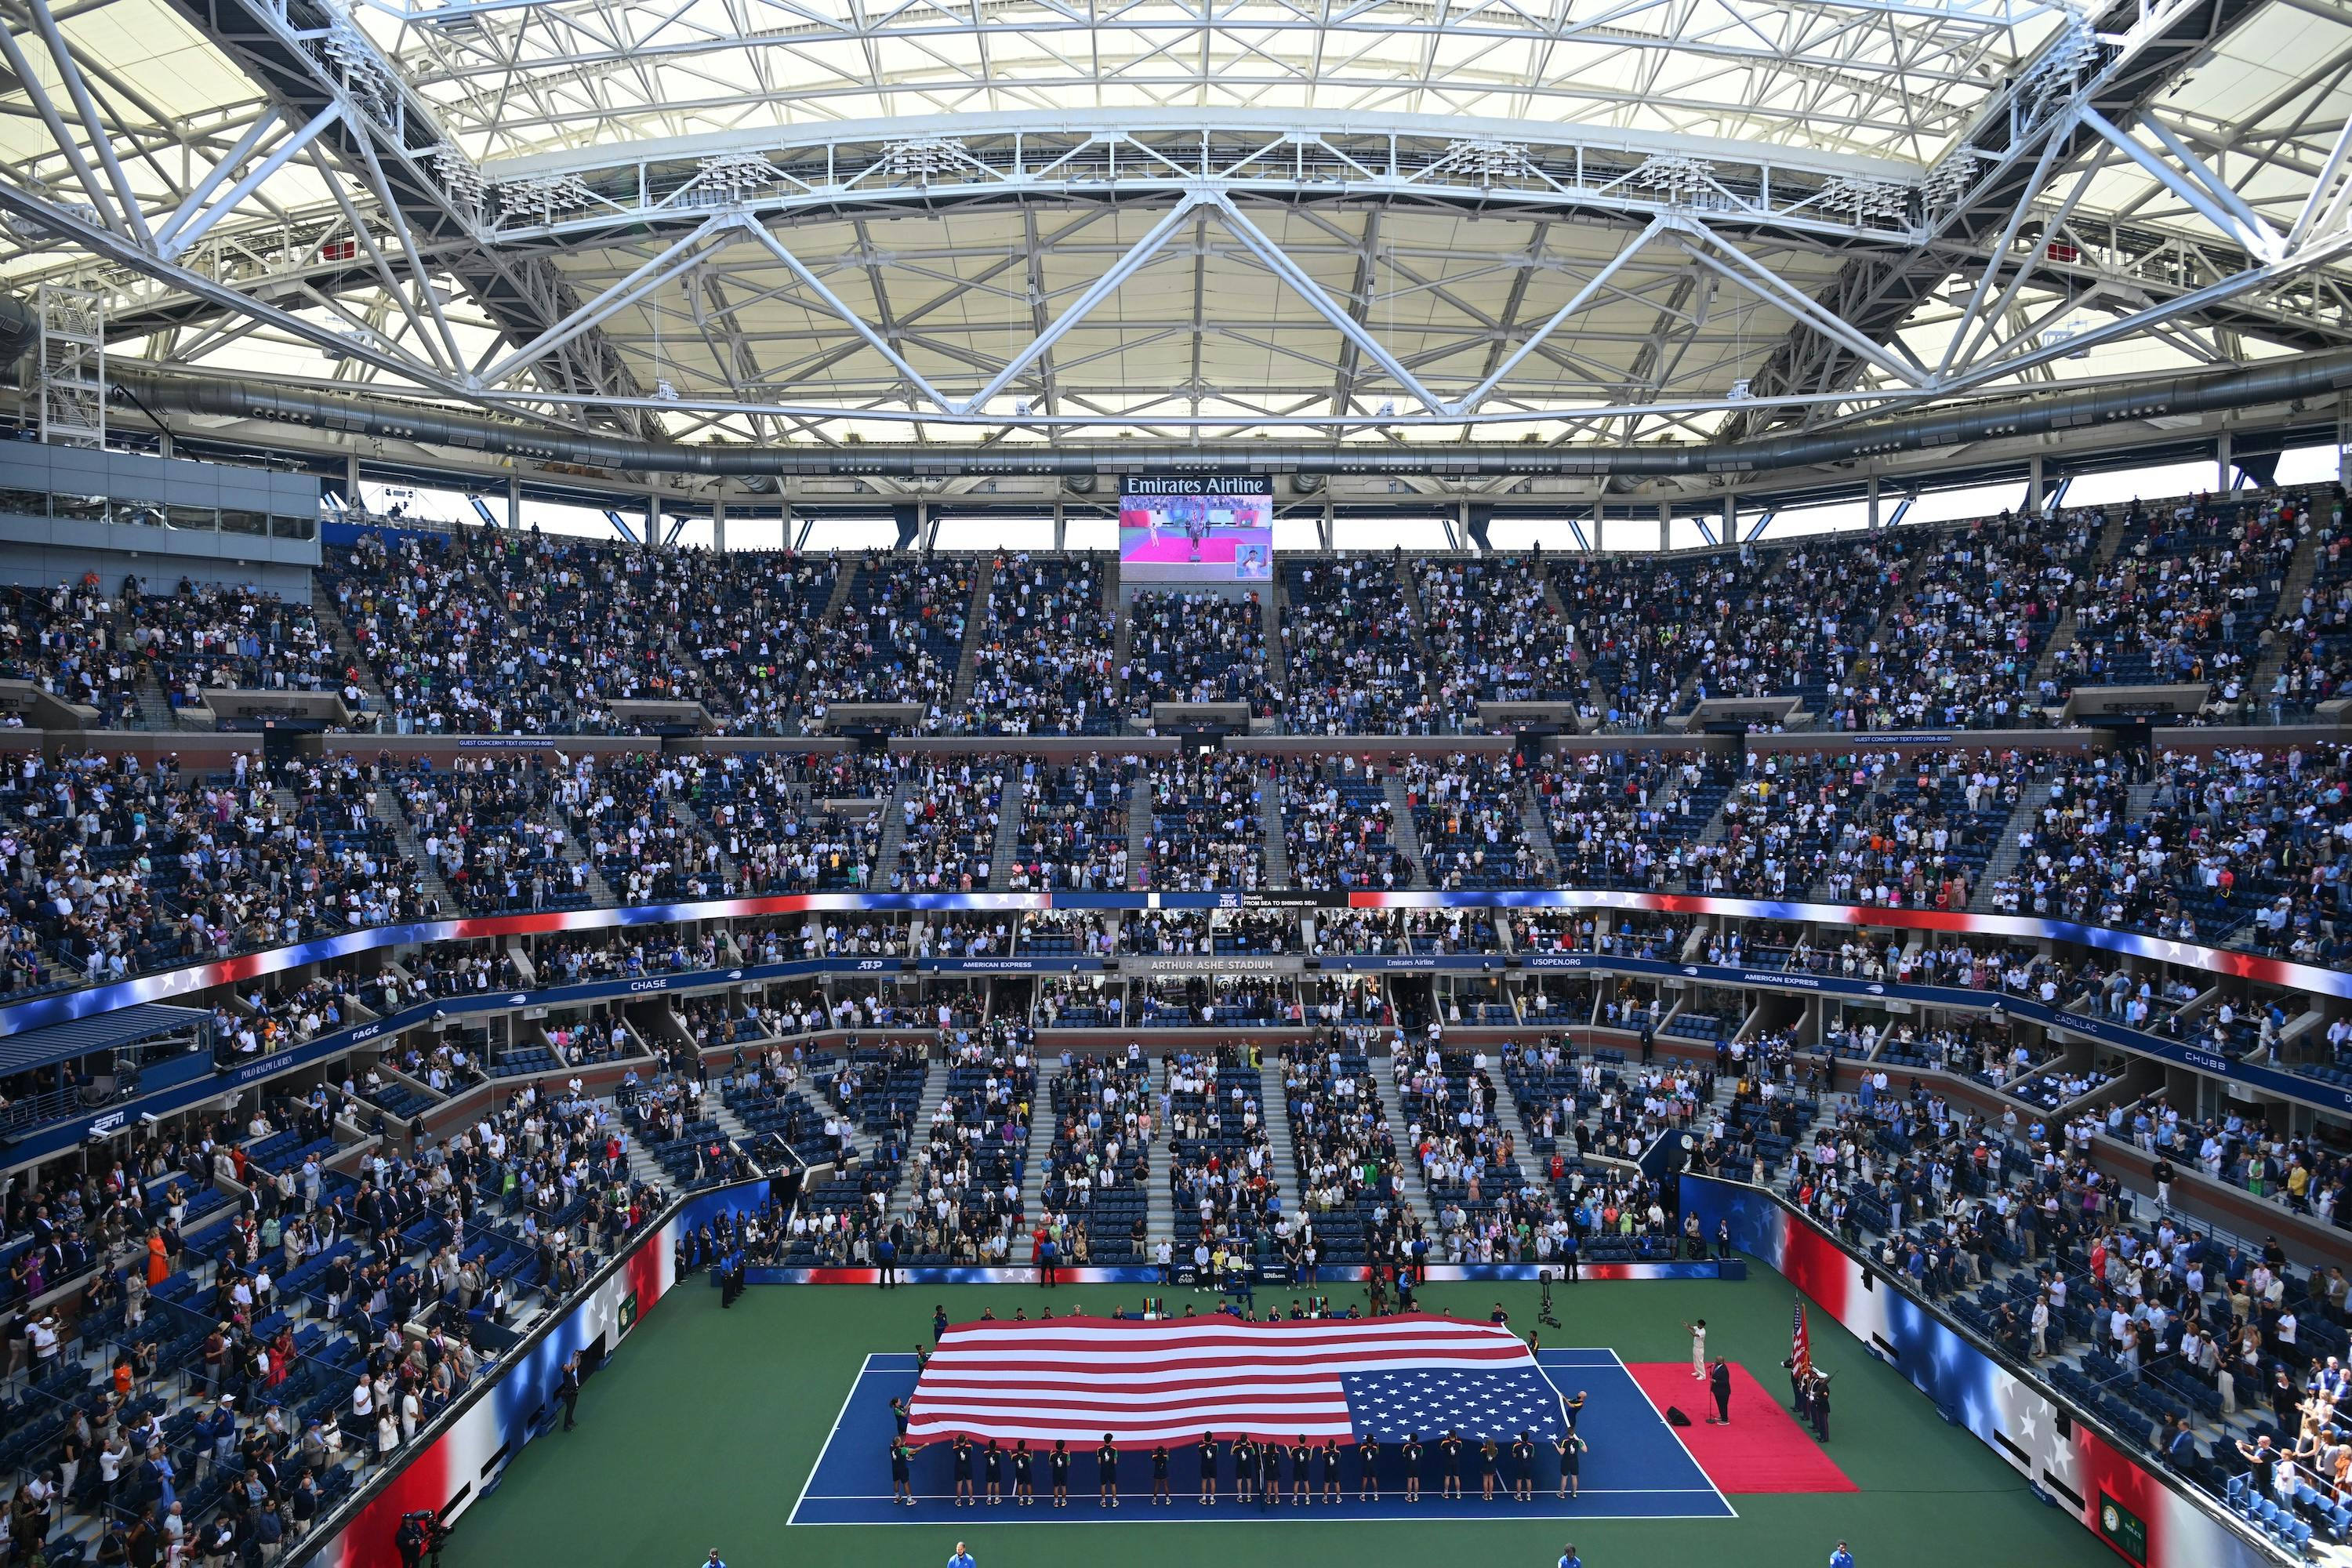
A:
1196, 528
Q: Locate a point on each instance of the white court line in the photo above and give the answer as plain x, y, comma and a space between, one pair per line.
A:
1260, 1516
1671, 1433
839, 1416
1192, 1498
1092, 1513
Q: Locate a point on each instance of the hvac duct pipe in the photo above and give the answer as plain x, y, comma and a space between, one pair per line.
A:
2294, 377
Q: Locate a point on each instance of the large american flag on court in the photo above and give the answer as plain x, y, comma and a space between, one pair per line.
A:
1174, 1380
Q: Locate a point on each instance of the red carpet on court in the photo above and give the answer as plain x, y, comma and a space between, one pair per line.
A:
1763, 1450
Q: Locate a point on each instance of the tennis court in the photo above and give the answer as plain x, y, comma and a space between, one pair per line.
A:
762, 1430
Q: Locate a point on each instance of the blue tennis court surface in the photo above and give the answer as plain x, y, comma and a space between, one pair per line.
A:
1635, 1467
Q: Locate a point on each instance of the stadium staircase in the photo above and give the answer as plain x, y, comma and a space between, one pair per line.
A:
1718, 827
1012, 806
693, 821
731, 1126
843, 581
1862, 666
643, 1167
893, 836
1534, 829
347, 648
1416, 1191
1281, 1161
2006, 856
1041, 1137
386, 808
575, 853
154, 709
975, 632
1123, 637
1403, 831
1576, 654
1269, 616
1415, 626
2060, 638
1139, 801
2104, 551
1159, 1206
2300, 569
1515, 1119
1269, 828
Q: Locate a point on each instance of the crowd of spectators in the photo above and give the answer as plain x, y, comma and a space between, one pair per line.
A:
2244, 843
949, 809
1961, 649
110, 867
199, 638
629, 811
1467, 812
487, 633
1206, 823
897, 639
1350, 652
484, 824
1073, 826
1628, 821
1493, 635
791, 822
1042, 662
1338, 828
1196, 647
67, 641
2187, 600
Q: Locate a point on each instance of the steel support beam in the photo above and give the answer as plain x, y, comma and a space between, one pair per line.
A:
308, 59
1994, 170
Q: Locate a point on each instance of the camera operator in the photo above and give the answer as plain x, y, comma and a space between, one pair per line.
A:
420, 1533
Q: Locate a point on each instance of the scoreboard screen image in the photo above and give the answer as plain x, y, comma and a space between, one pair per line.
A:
1209, 528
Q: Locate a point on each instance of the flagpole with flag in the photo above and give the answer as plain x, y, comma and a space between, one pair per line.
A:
1801, 1345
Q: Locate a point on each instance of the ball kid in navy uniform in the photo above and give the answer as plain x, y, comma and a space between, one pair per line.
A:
901, 1471
1571, 1457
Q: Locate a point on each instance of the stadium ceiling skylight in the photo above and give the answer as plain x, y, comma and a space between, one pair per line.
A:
1025, 220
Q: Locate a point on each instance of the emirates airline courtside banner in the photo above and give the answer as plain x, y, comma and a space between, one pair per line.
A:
2150, 1519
